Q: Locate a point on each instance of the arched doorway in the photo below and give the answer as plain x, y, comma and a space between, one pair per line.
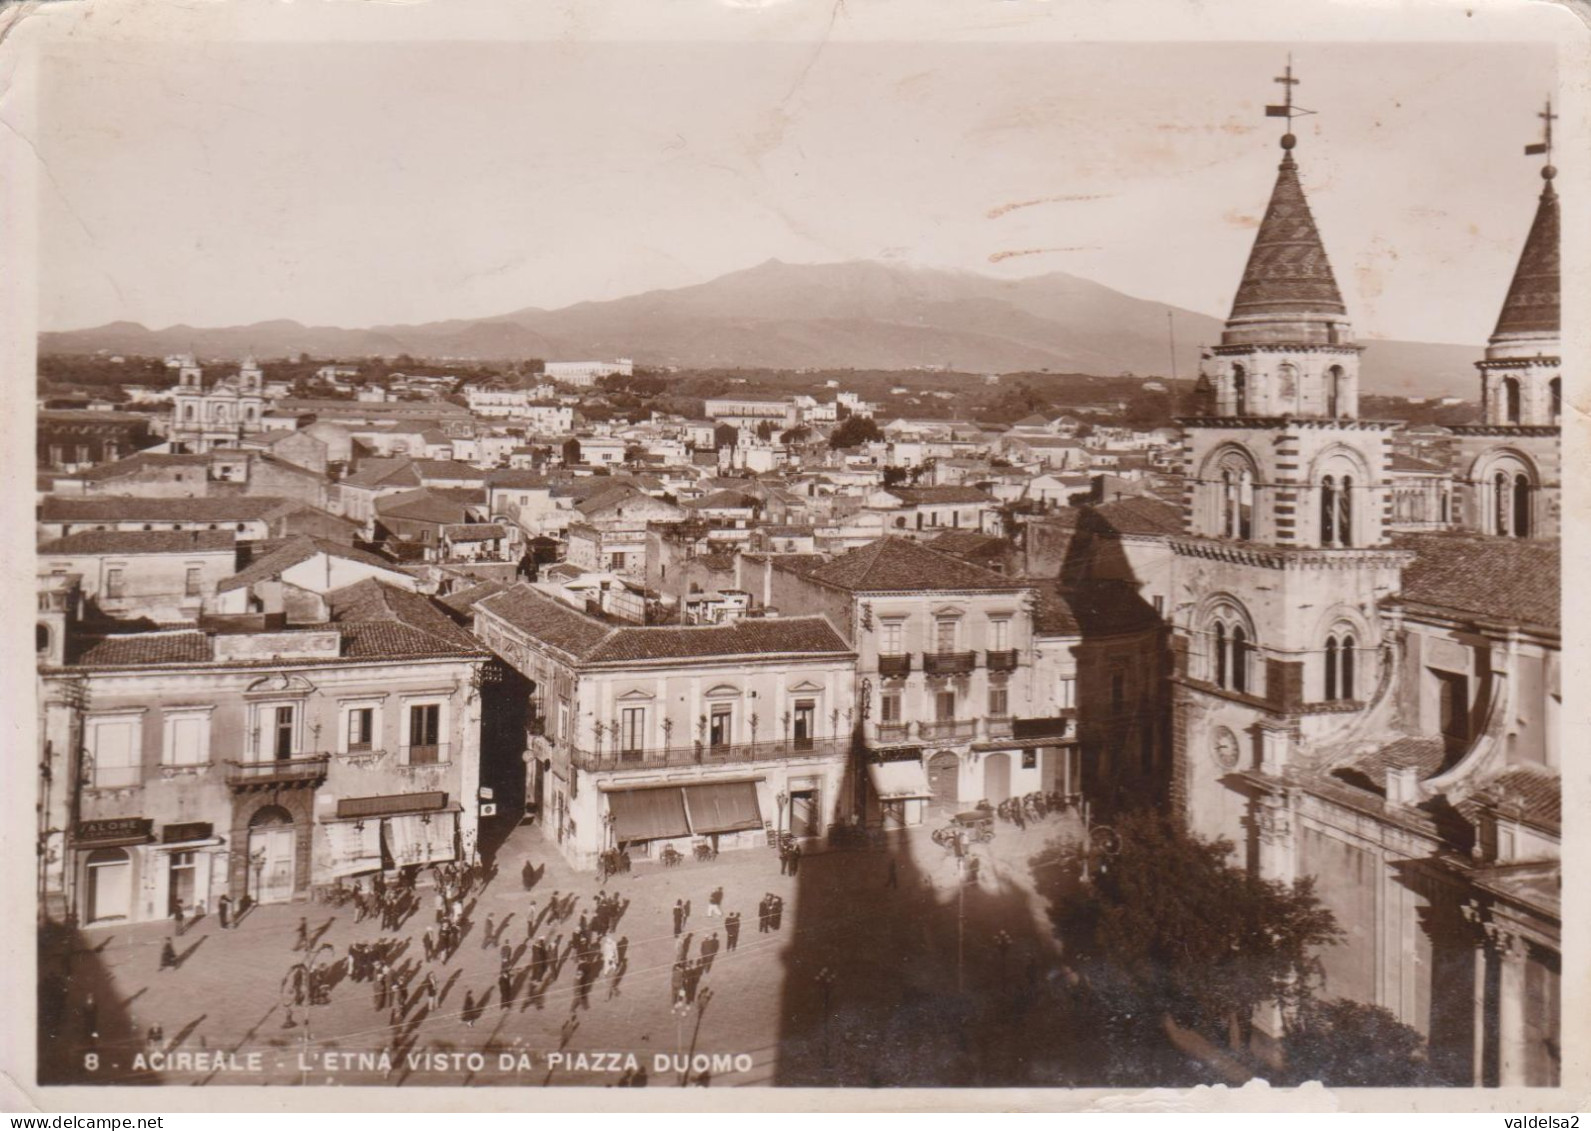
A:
997, 778
944, 780
273, 843
110, 884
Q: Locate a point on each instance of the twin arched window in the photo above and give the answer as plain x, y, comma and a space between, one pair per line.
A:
1336, 511
1339, 667
1231, 649
1511, 504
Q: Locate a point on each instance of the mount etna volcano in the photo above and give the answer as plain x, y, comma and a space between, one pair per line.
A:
861, 315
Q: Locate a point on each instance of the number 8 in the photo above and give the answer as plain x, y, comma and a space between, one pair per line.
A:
91, 1061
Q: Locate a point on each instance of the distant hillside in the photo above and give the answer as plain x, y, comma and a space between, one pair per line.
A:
777, 315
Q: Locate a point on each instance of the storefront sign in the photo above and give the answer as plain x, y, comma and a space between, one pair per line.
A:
190, 830
115, 830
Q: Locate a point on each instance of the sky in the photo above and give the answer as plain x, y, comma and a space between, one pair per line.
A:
361, 184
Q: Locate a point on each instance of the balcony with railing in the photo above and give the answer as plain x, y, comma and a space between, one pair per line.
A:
618, 757
1000, 659
949, 663
948, 730
887, 734
896, 665
998, 726
300, 769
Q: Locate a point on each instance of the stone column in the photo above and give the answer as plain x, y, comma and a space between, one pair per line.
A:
1510, 950
1273, 819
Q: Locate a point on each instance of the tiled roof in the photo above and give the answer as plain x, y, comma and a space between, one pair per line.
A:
387, 617
915, 496
384, 473
592, 641
1512, 580
142, 542
613, 496
290, 552
1424, 755
1532, 305
1287, 271
430, 504
448, 469
547, 620
722, 499
966, 543
474, 531
900, 563
465, 600
132, 508
138, 648
1533, 792
512, 477
141, 461
1140, 514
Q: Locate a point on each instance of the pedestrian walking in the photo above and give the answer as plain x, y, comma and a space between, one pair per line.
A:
223, 910
764, 915
795, 858
488, 931
177, 918
302, 942
168, 955
685, 921
505, 989
732, 931
469, 1009
429, 986
428, 944
776, 911
532, 919
156, 1037
715, 903
679, 917
710, 947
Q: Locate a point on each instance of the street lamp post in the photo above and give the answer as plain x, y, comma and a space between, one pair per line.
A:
783, 799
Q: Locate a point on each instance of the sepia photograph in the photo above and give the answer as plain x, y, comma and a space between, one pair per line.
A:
787, 551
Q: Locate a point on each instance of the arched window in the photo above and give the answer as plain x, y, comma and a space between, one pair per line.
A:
1239, 391
1334, 391
1345, 512
1240, 651
1500, 503
1245, 504
1555, 398
1328, 511
1510, 401
1345, 667
1331, 669
1220, 654
1521, 506
1228, 505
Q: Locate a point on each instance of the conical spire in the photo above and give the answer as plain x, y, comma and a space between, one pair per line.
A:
1288, 272
1532, 306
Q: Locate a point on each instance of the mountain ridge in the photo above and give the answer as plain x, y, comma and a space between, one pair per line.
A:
861, 314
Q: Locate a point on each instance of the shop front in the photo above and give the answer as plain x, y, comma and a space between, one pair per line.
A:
365, 835
722, 814
110, 867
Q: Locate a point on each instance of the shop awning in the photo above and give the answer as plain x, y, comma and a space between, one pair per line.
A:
899, 781
647, 814
723, 807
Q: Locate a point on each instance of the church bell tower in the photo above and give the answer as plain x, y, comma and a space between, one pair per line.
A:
1286, 554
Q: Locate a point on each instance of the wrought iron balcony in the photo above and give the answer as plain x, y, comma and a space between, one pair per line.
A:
890, 733
616, 757
949, 663
895, 665
998, 726
301, 769
948, 729
1002, 660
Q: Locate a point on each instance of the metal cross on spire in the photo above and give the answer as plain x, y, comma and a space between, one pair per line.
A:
1543, 148
1287, 109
